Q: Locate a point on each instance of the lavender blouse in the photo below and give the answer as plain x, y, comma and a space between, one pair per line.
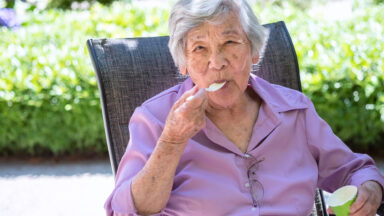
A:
292, 152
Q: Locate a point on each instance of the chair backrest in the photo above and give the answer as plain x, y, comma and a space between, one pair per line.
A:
131, 70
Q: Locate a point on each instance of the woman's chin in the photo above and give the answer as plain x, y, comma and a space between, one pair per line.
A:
224, 98
220, 103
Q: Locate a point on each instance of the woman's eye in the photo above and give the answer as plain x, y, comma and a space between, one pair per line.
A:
198, 48
229, 42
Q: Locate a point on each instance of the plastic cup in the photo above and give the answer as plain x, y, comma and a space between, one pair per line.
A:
341, 200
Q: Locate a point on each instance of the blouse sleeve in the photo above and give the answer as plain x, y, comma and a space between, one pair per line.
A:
144, 132
337, 164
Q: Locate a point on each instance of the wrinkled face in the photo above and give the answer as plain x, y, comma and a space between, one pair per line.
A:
218, 52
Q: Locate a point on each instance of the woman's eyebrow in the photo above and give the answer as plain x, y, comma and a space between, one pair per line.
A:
233, 32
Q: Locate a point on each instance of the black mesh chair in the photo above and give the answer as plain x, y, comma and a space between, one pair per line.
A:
131, 70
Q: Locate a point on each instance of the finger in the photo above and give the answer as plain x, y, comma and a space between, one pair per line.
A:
190, 108
196, 100
365, 210
361, 200
189, 93
183, 98
330, 211
199, 94
373, 200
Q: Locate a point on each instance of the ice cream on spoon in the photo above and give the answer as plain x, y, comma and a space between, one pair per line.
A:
215, 86
212, 88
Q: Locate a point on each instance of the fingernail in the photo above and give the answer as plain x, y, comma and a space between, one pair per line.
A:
190, 98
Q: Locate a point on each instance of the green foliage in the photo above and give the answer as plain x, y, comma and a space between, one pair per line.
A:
342, 67
49, 100
10, 3
66, 4
297, 4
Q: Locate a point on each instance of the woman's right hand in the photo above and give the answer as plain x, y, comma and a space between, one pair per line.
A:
186, 118
151, 187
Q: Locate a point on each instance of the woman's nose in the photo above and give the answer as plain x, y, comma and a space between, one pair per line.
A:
217, 60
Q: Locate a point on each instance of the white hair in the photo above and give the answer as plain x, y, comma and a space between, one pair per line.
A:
188, 14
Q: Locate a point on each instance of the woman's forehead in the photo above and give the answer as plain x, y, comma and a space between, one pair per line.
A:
229, 27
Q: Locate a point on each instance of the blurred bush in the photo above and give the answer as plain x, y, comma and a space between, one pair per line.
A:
49, 100
343, 73
68, 4
63, 4
341, 61
9, 3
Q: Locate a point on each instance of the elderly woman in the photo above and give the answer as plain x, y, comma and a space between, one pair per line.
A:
226, 142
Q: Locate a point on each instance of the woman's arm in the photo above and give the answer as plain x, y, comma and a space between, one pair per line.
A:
151, 187
339, 166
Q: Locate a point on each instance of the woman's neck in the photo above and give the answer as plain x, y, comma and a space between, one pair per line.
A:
242, 109
237, 122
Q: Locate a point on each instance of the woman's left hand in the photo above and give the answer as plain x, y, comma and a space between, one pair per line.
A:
368, 199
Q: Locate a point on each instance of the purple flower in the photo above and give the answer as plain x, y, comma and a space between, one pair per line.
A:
8, 18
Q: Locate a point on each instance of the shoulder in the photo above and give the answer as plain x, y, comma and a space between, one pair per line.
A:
164, 99
281, 98
158, 106
290, 98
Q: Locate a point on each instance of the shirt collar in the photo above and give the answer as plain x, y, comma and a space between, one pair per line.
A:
278, 98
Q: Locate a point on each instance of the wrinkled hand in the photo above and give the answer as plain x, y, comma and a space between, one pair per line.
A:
186, 118
368, 200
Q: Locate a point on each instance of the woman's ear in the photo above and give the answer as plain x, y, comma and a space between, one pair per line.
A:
255, 59
183, 70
